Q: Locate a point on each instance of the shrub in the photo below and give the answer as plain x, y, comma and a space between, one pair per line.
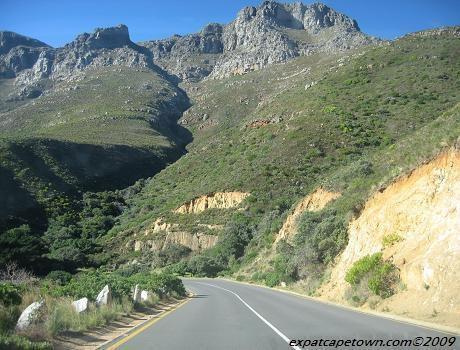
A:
381, 275
180, 268
391, 239
9, 294
272, 279
16, 342
8, 317
60, 277
205, 266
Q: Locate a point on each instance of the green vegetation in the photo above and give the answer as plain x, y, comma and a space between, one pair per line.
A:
103, 131
383, 112
16, 342
391, 239
371, 116
59, 290
380, 277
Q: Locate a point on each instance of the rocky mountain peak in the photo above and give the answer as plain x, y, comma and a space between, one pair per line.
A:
9, 40
319, 16
312, 17
103, 38
212, 29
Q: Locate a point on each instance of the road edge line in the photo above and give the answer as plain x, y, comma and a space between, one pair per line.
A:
136, 330
410, 321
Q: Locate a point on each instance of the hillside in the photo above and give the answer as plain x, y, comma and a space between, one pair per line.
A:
257, 149
347, 123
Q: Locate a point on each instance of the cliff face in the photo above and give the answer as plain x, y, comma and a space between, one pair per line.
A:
259, 36
218, 200
415, 222
161, 234
313, 202
274, 33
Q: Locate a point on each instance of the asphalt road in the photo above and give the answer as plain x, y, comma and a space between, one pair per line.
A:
229, 315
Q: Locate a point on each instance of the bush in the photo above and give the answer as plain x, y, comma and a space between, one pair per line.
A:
391, 239
9, 294
8, 318
59, 277
381, 275
89, 284
272, 279
205, 266
15, 342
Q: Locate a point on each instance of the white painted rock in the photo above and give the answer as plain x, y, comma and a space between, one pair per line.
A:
104, 297
30, 315
145, 295
283, 284
137, 294
80, 305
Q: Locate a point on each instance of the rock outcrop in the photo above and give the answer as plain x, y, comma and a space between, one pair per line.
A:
30, 315
274, 33
258, 37
37, 64
104, 297
163, 234
190, 57
18, 52
80, 305
415, 222
218, 200
313, 202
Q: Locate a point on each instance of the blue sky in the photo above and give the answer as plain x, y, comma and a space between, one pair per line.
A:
57, 22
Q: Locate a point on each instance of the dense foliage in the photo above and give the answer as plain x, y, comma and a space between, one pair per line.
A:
379, 275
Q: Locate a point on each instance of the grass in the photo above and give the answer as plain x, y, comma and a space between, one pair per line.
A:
63, 317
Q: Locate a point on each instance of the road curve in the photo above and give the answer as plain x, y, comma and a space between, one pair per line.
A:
228, 315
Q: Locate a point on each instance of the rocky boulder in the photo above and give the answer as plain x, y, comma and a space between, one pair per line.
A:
104, 297
30, 315
80, 305
145, 295
137, 294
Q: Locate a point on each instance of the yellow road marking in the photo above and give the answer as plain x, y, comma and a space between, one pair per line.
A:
146, 325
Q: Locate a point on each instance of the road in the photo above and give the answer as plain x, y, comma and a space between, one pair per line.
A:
229, 315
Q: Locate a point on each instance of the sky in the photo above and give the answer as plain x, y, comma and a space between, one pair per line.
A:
57, 22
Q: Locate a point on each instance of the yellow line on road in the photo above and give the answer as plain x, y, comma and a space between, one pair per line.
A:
145, 326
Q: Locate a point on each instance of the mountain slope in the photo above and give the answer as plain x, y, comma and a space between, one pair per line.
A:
95, 115
343, 122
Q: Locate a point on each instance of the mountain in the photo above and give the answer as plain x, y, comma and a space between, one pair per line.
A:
96, 114
258, 37
247, 149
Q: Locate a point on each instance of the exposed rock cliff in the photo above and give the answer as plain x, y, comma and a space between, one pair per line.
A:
190, 57
274, 32
162, 234
270, 33
258, 37
218, 200
313, 202
416, 223
18, 52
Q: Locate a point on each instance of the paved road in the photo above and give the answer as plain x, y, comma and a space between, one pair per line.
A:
229, 315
